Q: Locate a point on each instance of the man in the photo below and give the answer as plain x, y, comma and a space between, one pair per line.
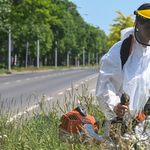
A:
133, 78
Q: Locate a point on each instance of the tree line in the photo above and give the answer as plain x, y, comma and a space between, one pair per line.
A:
47, 21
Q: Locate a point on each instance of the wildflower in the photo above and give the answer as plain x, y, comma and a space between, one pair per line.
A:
33, 93
76, 88
26, 111
5, 135
0, 136
70, 137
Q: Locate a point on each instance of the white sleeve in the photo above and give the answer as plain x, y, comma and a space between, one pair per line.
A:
110, 80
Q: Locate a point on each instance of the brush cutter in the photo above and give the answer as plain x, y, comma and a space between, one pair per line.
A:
78, 124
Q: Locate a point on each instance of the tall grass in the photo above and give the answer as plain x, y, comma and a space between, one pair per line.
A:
39, 130
33, 68
29, 68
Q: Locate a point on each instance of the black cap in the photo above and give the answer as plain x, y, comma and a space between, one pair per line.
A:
139, 17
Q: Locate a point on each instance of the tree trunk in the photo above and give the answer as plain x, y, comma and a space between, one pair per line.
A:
43, 60
35, 61
48, 60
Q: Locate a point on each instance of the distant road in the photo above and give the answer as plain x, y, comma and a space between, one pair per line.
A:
16, 90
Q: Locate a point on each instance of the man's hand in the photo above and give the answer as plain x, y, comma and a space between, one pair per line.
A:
120, 110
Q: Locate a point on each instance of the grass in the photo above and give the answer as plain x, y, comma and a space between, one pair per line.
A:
32, 68
39, 131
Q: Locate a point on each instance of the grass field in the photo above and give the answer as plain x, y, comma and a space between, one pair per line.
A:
40, 130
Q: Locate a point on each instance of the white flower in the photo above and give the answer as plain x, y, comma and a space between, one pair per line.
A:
5, 135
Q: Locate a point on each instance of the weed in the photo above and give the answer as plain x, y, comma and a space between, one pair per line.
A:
39, 129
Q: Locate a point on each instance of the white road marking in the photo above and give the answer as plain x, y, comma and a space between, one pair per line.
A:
35, 77
49, 75
43, 76
7, 83
48, 99
69, 89
30, 108
24, 112
93, 90
60, 93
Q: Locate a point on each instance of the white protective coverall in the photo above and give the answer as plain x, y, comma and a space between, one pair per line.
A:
133, 79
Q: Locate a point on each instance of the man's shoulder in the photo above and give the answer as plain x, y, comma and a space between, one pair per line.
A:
116, 48
114, 51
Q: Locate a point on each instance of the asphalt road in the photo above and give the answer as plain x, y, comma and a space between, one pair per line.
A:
16, 90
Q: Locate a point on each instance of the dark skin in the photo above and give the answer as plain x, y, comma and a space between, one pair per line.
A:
120, 110
144, 32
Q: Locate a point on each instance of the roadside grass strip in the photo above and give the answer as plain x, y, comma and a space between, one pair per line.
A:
39, 131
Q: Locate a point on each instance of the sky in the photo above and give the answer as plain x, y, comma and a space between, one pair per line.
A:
102, 12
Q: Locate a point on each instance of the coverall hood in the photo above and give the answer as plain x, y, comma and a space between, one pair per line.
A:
126, 32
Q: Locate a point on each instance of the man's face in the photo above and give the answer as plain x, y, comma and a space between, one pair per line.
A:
144, 32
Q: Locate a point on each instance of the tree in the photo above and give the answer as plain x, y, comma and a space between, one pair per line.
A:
48, 21
4, 16
121, 22
4, 27
31, 20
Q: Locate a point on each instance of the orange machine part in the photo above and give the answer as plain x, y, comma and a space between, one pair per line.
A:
72, 121
141, 116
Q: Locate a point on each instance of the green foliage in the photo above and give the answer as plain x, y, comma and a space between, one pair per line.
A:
31, 20
48, 21
121, 22
4, 16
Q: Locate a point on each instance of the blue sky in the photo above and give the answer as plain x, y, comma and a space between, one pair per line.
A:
102, 12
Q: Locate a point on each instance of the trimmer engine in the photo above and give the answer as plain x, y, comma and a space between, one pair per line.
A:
72, 123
